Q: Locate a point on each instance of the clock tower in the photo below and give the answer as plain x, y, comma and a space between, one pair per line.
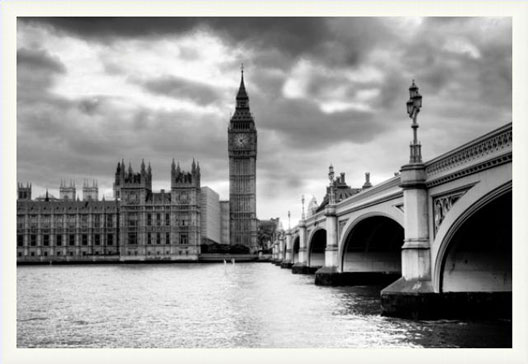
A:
242, 148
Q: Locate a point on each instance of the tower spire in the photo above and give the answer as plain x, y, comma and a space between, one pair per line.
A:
242, 96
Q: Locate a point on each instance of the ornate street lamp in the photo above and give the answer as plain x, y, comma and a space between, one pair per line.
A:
413, 108
331, 199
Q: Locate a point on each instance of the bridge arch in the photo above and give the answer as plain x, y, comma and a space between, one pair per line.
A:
354, 223
296, 242
316, 247
474, 243
372, 243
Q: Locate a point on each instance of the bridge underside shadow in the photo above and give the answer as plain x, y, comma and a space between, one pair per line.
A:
475, 274
371, 255
316, 254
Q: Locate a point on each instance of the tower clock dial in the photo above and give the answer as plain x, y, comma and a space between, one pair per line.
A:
241, 140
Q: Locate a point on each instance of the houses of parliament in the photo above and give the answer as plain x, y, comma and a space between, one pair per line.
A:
139, 224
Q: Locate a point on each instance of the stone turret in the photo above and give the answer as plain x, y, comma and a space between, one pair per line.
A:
181, 178
24, 191
90, 191
131, 186
67, 191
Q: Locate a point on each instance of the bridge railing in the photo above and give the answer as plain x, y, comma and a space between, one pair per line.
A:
489, 146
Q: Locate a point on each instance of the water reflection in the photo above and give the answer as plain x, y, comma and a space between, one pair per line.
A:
212, 305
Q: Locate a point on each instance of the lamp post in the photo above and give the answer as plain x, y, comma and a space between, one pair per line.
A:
289, 225
413, 108
331, 178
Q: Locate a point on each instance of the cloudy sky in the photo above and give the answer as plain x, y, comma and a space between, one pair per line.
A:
91, 91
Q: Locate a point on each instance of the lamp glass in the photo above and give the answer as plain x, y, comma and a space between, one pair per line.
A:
409, 107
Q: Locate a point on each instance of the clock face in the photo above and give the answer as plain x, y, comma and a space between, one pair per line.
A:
241, 140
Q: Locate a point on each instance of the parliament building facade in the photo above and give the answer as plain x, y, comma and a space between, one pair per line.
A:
142, 225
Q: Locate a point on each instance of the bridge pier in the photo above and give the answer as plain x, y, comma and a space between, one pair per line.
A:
301, 267
416, 300
328, 275
287, 262
280, 250
413, 294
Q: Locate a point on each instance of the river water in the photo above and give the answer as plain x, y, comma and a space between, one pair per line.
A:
247, 305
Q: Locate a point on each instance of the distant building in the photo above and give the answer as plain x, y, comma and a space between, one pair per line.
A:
312, 207
341, 192
266, 230
210, 216
137, 225
224, 222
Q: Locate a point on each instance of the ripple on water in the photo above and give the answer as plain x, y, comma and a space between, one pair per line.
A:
212, 306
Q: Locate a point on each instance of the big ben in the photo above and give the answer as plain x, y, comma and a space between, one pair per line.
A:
242, 148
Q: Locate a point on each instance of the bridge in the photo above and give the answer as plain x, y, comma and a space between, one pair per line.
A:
438, 234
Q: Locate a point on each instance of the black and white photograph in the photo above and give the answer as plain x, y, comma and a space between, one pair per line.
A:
263, 182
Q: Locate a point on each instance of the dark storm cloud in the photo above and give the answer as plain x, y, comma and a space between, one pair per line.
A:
36, 72
335, 40
39, 59
181, 88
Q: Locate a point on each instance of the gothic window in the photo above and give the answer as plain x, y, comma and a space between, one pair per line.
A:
84, 220
158, 238
109, 221
20, 221
110, 239
33, 221
45, 221
20, 240
58, 240
183, 239
149, 219
97, 221
132, 238
45, 240
149, 238
58, 221
167, 238
167, 219
97, 239
72, 240
33, 240
84, 239
132, 220
158, 219
71, 221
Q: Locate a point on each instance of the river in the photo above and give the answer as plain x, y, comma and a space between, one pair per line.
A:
246, 305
